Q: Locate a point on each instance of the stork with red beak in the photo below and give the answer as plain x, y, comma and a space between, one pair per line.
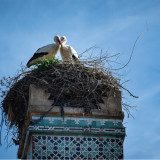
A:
68, 54
46, 51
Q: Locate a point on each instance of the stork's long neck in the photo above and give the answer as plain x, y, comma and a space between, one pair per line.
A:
57, 43
64, 43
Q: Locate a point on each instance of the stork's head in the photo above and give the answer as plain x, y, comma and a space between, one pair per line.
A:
63, 40
57, 39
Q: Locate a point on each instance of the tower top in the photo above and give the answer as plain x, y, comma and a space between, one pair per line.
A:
73, 90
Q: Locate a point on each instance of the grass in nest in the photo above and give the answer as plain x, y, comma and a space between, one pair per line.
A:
46, 63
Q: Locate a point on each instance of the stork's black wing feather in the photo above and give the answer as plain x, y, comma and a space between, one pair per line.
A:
37, 55
74, 57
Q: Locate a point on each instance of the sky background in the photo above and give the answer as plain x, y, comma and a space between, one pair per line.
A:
112, 25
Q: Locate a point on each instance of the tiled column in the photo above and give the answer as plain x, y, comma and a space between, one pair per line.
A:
57, 137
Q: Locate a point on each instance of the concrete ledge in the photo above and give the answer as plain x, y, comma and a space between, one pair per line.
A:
38, 101
72, 111
38, 96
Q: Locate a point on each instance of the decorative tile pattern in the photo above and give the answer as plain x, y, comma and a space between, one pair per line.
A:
78, 129
76, 147
89, 125
79, 121
85, 144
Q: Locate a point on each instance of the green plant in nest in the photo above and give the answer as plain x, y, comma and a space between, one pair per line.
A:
45, 63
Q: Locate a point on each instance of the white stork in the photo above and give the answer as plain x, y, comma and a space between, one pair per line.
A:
46, 51
68, 54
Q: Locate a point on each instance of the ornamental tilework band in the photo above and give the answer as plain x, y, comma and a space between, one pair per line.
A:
80, 121
76, 147
120, 131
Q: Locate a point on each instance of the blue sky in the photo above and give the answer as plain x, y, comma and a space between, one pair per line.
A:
113, 26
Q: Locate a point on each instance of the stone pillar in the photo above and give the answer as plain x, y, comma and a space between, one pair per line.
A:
98, 135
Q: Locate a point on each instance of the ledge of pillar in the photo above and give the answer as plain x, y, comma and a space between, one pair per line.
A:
38, 102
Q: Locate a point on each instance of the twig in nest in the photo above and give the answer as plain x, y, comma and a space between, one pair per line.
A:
134, 45
128, 91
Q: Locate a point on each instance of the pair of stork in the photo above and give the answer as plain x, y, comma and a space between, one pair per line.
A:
68, 54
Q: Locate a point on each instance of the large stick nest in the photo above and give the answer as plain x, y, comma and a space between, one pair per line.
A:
82, 85
68, 85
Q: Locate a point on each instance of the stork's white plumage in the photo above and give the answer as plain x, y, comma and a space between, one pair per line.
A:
68, 54
46, 51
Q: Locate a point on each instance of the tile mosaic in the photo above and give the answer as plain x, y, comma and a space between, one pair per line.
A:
76, 147
48, 146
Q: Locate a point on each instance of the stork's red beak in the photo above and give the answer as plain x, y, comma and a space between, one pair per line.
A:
59, 41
